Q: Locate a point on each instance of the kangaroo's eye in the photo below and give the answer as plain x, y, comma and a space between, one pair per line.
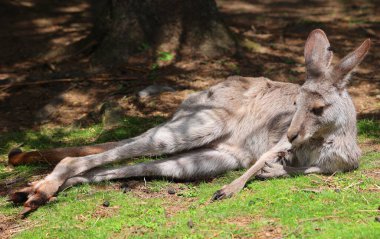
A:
317, 111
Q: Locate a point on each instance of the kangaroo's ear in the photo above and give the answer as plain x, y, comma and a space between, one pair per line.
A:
347, 64
318, 54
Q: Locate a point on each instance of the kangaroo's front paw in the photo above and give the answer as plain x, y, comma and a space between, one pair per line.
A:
272, 170
228, 191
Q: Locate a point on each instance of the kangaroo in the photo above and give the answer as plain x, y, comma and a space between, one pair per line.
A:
273, 129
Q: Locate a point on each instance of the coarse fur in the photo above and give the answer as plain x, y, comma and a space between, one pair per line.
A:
273, 129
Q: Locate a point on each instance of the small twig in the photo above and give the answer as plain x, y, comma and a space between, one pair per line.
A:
353, 184
365, 199
317, 219
330, 177
311, 190
136, 69
292, 232
66, 188
368, 210
44, 158
97, 219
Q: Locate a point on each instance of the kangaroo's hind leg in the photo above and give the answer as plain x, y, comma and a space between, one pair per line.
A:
193, 165
180, 134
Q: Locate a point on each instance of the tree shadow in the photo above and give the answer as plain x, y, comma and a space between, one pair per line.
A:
276, 32
271, 35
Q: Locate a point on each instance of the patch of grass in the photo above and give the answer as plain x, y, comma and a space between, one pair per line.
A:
165, 56
232, 66
369, 128
313, 206
357, 22
289, 61
63, 137
251, 45
292, 79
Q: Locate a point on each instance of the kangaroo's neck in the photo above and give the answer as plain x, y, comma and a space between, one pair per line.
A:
337, 149
344, 136
345, 126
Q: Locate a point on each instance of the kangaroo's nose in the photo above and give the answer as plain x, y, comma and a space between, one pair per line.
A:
292, 136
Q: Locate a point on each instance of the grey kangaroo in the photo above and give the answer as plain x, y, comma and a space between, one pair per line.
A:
273, 129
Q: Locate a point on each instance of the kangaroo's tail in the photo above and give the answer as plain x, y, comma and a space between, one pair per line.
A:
54, 156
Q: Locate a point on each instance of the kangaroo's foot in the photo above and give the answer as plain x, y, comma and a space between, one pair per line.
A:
20, 196
34, 196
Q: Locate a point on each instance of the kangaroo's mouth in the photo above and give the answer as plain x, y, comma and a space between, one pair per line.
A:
300, 140
312, 141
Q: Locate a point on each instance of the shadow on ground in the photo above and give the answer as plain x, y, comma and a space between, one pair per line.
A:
35, 34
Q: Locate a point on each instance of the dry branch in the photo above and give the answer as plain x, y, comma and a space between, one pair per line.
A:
65, 80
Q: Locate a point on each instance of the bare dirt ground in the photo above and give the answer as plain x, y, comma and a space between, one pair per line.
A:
40, 85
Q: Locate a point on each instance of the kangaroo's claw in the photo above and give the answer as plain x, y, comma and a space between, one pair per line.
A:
30, 198
20, 196
218, 195
34, 202
25, 212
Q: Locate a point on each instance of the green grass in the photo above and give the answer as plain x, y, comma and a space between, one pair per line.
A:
314, 206
369, 129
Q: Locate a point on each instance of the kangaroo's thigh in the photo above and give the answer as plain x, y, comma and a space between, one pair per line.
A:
179, 134
187, 132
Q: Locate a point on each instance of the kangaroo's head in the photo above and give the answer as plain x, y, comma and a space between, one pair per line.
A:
323, 105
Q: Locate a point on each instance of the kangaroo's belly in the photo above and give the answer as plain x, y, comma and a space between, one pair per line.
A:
257, 112
261, 122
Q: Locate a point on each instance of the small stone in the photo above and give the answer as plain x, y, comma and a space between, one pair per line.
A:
154, 90
171, 191
377, 219
106, 204
337, 190
190, 223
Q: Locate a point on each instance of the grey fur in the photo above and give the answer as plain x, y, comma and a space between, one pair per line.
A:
271, 128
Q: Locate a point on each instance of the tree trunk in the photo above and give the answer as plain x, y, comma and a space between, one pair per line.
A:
129, 28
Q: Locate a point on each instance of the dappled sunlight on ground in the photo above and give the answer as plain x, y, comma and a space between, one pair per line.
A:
271, 35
